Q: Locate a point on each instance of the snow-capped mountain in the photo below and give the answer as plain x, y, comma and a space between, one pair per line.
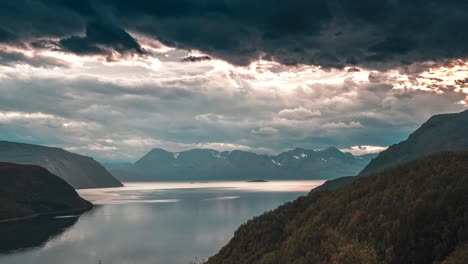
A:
209, 164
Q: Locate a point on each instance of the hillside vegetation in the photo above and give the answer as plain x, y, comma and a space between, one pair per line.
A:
30, 190
413, 213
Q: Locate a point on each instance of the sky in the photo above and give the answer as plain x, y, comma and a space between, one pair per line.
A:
113, 79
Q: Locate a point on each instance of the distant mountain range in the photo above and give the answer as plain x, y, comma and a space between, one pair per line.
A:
209, 164
30, 191
446, 132
79, 171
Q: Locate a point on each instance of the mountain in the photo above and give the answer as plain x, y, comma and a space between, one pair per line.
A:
209, 164
440, 133
446, 132
79, 171
30, 190
412, 213
115, 165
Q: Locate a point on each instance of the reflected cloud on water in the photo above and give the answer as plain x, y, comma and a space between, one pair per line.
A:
151, 223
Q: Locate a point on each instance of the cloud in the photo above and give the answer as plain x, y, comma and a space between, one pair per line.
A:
103, 39
209, 117
341, 125
192, 58
299, 113
119, 112
364, 149
376, 34
264, 131
12, 58
26, 21
15, 116
6, 36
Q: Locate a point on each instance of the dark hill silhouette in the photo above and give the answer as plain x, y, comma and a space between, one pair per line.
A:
28, 191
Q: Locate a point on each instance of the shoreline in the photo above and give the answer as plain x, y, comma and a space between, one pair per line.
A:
50, 214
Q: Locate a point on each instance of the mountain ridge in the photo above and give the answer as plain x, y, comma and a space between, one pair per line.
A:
210, 164
29, 191
444, 132
79, 171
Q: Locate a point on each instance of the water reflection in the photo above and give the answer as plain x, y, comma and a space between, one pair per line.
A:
20, 236
150, 224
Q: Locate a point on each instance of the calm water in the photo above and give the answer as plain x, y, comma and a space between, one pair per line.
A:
147, 223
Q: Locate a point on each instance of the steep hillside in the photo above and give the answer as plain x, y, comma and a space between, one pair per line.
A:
445, 132
440, 133
79, 171
413, 213
209, 164
29, 190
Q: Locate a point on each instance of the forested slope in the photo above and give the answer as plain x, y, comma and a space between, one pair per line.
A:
414, 213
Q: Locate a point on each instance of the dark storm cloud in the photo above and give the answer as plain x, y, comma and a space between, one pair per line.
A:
6, 36
72, 26
26, 20
379, 33
101, 38
196, 58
